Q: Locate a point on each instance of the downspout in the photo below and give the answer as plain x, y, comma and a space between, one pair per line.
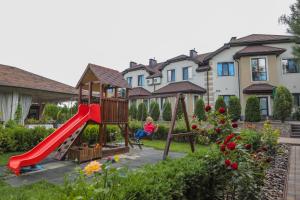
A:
207, 87
239, 79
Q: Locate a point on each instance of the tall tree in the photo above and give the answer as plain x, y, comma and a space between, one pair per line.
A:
293, 22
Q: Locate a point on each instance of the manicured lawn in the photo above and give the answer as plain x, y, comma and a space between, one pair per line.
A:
175, 146
40, 190
4, 157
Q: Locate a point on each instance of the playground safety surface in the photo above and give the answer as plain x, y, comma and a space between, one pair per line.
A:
54, 171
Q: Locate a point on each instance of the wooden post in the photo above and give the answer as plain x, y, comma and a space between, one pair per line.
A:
169, 138
100, 125
104, 135
191, 138
116, 92
90, 92
80, 95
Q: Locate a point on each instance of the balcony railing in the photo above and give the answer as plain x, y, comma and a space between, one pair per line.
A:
114, 110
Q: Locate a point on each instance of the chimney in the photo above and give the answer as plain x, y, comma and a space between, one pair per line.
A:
232, 39
152, 62
132, 64
193, 53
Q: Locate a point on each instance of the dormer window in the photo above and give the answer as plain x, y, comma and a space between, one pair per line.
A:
187, 73
171, 75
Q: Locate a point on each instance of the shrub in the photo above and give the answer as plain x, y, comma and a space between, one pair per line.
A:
91, 133
167, 111
142, 112
50, 111
133, 111
199, 109
252, 137
252, 112
179, 113
283, 103
18, 114
270, 137
220, 103
154, 110
234, 108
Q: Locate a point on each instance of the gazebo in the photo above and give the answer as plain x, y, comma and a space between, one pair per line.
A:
30, 91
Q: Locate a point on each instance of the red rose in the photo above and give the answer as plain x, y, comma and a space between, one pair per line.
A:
228, 138
207, 108
231, 145
234, 125
248, 146
222, 147
222, 110
194, 126
234, 166
218, 130
227, 162
238, 137
222, 121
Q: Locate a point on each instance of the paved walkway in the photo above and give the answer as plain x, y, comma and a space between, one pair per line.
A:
55, 171
293, 185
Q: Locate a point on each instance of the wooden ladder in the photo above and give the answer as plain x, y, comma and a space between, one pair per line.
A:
64, 147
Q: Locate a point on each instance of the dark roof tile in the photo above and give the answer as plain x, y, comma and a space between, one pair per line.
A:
180, 87
259, 88
258, 50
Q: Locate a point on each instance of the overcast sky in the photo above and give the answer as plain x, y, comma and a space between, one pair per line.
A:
58, 38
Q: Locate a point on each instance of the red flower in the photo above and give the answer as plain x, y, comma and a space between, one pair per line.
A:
228, 138
227, 162
207, 108
231, 145
222, 110
222, 147
194, 126
238, 137
218, 130
222, 121
234, 125
234, 166
194, 116
248, 146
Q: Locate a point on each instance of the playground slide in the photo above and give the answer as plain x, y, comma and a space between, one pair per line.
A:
49, 144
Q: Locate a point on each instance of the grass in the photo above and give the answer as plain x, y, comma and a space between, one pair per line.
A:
175, 146
40, 190
5, 156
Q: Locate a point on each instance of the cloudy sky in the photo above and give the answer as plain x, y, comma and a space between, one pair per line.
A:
57, 38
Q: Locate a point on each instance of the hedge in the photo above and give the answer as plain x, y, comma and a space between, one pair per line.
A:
283, 103
252, 111
220, 103
154, 110
234, 108
142, 112
199, 109
167, 111
133, 111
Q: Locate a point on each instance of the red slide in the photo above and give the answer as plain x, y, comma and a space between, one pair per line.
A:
49, 144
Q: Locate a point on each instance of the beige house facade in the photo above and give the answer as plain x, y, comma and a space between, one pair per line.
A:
252, 65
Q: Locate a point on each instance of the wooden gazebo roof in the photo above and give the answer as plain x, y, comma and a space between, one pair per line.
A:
40, 88
103, 75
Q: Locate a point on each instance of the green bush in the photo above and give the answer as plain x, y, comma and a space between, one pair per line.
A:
220, 103
154, 110
250, 136
142, 112
167, 111
199, 109
18, 114
283, 103
179, 113
50, 111
90, 134
133, 111
252, 112
234, 108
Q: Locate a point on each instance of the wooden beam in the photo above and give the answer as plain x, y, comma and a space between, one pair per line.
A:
185, 115
90, 92
116, 92
80, 95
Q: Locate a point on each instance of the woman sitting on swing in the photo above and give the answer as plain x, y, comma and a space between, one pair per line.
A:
149, 129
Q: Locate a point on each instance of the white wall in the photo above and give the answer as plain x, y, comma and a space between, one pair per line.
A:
225, 85
135, 74
198, 78
289, 80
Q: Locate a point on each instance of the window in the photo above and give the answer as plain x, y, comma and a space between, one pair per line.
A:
171, 75
150, 81
259, 69
226, 98
187, 73
141, 80
226, 69
129, 81
264, 106
290, 66
296, 100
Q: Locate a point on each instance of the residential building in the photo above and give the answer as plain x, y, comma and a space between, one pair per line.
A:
250, 65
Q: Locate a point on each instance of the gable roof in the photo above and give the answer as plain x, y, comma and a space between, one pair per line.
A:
262, 38
19, 78
259, 88
138, 92
105, 75
180, 87
258, 50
